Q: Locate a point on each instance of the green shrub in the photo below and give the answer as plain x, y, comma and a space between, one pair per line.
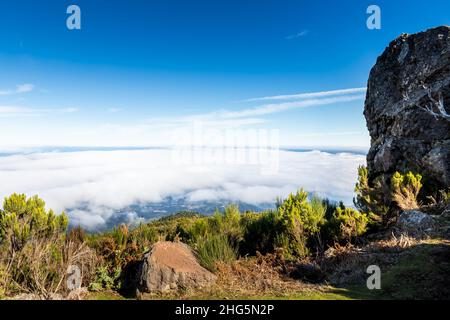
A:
120, 236
382, 200
405, 190
228, 223
34, 250
199, 229
294, 227
41, 265
331, 207
144, 235
300, 220
260, 232
215, 248
374, 200
445, 194
175, 226
23, 219
348, 224
105, 279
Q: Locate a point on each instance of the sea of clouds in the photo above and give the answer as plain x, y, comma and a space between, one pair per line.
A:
93, 186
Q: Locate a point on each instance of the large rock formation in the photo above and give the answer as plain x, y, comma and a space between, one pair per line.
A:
171, 265
408, 130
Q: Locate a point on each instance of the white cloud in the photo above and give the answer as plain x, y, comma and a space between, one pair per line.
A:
309, 95
297, 35
21, 88
279, 107
15, 111
158, 131
24, 88
99, 183
303, 100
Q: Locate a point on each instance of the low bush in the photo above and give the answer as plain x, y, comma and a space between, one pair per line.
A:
300, 221
228, 223
405, 190
104, 279
22, 219
347, 224
213, 249
34, 250
373, 199
383, 199
261, 230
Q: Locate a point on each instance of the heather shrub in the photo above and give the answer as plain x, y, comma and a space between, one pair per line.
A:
405, 190
300, 220
199, 229
144, 236
373, 199
347, 224
228, 223
382, 200
260, 232
35, 252
175, 226
215, 248
22, 219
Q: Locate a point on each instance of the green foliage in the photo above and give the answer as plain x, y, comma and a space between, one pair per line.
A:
120, 236
144, 235
105, 279
374, 200
175, 226
215, 248
348, 224
228, 223
23, 219
261, 232
382, 200
300, 219
199, 229
445, 195
35, 251
298, 209
331, 207
405, 190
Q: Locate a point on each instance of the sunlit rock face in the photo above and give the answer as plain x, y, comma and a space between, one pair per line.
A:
407, 101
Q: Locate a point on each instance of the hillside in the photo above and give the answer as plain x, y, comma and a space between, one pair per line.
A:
306, 247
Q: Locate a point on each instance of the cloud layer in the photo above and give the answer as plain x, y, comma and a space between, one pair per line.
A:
99, 183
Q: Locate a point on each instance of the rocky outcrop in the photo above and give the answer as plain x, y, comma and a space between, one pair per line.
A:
171, 265
406, 88
413, 220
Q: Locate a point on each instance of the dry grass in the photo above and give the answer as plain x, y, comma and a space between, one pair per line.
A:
265, 277
347, 265
262, 275
40, 267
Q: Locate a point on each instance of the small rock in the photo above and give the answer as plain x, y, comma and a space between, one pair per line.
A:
77, 294
413, 221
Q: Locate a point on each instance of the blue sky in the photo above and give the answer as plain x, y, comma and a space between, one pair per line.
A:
138, 70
